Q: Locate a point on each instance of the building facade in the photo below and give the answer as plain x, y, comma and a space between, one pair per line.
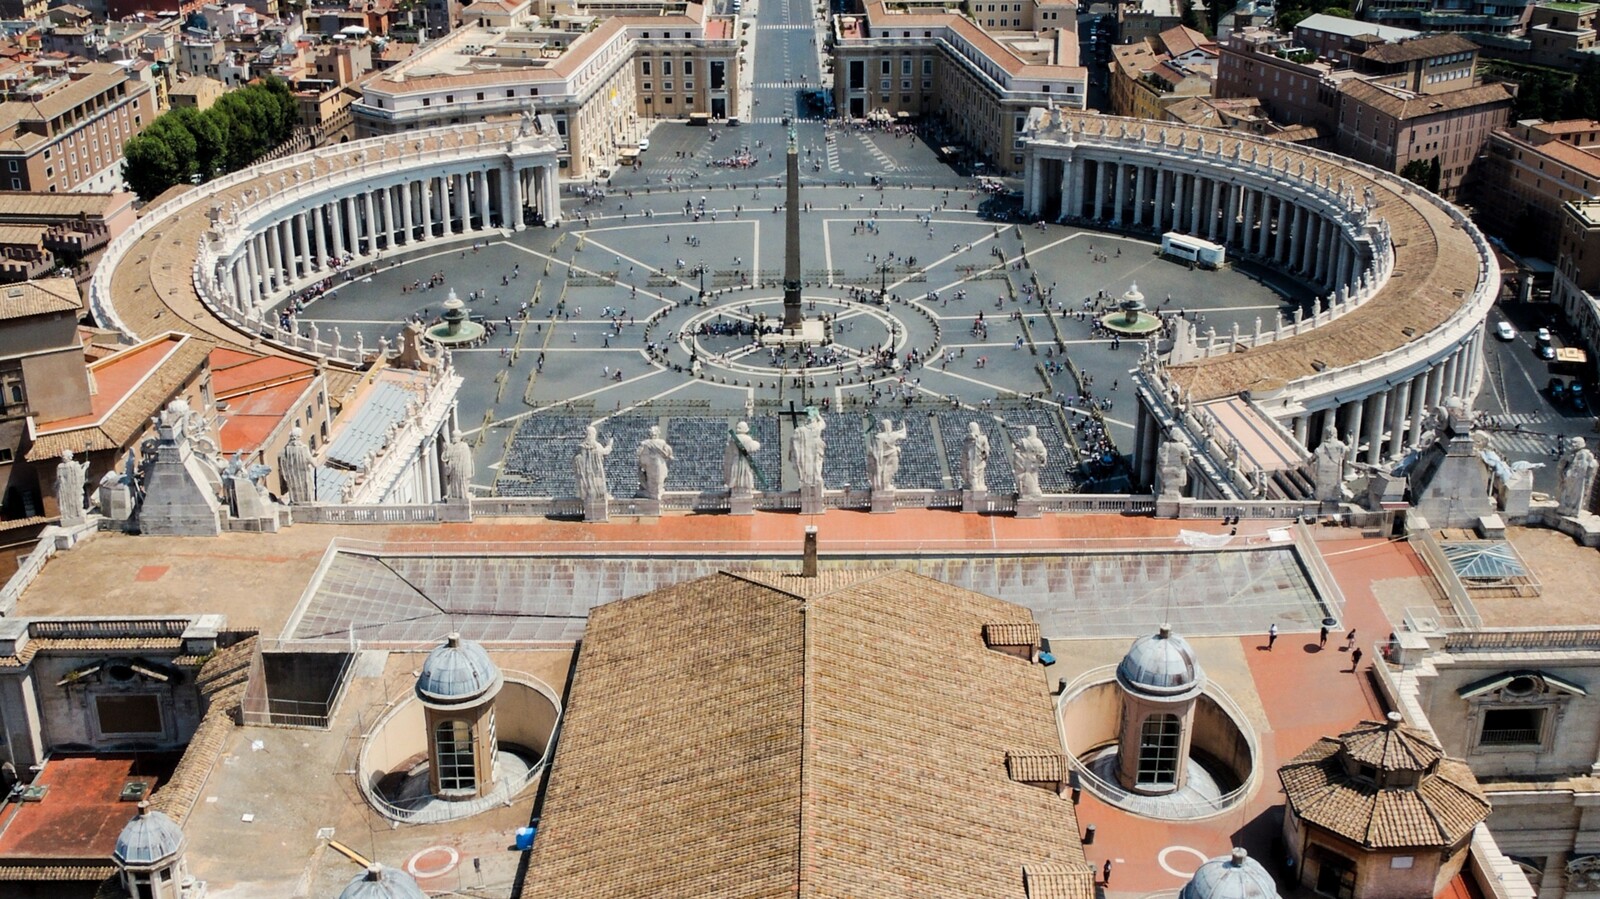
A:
66, 133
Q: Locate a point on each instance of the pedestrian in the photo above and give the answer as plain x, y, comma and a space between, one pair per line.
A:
1105, 873
1355, 659
1322, 641
1272, 635
1350, 639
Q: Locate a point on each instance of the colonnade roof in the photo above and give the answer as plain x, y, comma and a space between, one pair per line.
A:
1436, 270
152, 288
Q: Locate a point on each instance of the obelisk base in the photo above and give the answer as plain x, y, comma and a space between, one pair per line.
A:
808, 333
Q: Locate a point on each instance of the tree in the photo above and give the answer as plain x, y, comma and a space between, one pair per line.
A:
1433, 174
1415, 171
234, 132
210, 139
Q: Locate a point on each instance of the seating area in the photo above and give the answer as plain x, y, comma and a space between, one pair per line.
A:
539, 459
697, 444
953, 431
1057, 475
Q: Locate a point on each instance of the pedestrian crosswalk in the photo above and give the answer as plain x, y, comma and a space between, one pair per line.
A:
888, 164
778, 119
784, 85
1520, 435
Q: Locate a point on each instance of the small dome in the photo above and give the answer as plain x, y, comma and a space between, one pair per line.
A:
459, 671
1236, 876
150, 838
1161, 665
383, 882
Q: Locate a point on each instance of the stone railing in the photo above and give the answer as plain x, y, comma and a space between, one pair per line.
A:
1518, 639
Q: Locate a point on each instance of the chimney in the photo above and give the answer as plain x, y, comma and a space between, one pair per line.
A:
808, 562
1394, 720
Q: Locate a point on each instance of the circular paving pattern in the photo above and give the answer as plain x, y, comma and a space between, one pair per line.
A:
434, 861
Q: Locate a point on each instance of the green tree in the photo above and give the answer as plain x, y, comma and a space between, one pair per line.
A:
210, 139
1433, 174
1415, 171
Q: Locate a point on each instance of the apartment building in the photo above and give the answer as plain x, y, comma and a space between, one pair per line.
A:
1296, 85
910, 61
1389, 128
1576, 284
598, 84
1141, 19
1531, 170
1150, 75
1478, 16
64, 130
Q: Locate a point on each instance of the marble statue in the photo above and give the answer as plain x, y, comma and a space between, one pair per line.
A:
1172, 468
456, 467
653, 455
1327, 466
295, 467
1028, 456
590, 466
883, 459
1574, 476
975, 459
739, 460
69, 488
806, 448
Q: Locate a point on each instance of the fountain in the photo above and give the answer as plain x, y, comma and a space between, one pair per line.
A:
1131, 317
457, 329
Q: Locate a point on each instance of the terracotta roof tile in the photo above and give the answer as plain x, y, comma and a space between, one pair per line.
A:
844, 739
1011, 633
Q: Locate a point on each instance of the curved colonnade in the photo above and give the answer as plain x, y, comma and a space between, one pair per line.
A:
1404, 279
218, 257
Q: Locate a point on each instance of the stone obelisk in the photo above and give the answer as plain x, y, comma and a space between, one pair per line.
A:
792, 315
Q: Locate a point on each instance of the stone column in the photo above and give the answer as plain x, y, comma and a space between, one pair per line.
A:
518, 203
1247, 231
1351, 433
1300, 428
319, 216
1435, 385
1120, 172
552, 192
258, 276
1419, 407
236, 272
1264, 246
1379, 416
1297, 237
1140, 174
1195, 187
370, 230
1216, 210
1099, 190
274, 257
305, 243
1160, 209
1231, 230
1321, 254
1399, 405
480, 189
463, 208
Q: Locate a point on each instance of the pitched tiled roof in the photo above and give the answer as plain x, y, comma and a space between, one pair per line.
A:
842, 737
1439, 811
1412, 106
1391, 748
1420, 48
1011, 633
40, 297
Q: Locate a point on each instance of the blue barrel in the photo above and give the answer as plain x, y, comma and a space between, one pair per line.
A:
525, 838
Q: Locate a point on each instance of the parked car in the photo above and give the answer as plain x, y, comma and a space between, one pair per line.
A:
1545, 351
644, 144
1504, 331
1544, 335
1557, 389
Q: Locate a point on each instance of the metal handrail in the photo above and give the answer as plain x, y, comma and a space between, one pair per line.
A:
1114, 795
393, 706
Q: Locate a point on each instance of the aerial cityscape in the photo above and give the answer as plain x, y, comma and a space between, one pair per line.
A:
1041, 449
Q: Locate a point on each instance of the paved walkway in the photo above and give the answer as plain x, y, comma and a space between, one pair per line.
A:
1298, 692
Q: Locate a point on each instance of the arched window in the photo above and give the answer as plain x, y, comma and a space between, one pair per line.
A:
1158, 750
452, 741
